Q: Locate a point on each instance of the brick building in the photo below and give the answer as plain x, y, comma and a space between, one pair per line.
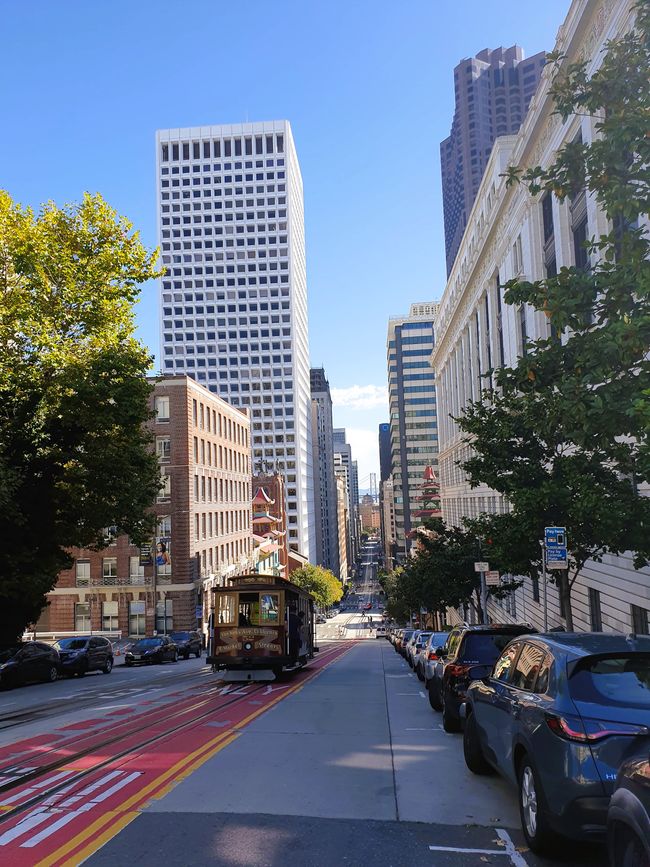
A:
204, 524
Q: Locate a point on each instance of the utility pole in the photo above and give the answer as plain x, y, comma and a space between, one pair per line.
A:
155, 585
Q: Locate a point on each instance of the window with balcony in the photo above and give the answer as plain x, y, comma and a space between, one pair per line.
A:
109, 568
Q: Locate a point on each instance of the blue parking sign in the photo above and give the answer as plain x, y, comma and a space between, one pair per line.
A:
556, 547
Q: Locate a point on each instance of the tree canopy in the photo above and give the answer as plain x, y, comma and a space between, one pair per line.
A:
75, 455
563, 434
323, 585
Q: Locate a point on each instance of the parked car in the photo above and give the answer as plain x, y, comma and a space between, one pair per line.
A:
416, 649
466, 647
628, 817
402, 641
557, 716
428, 656
83, 653
187, 643
152, 650
380, 631
320, 618
408, 645
27, 662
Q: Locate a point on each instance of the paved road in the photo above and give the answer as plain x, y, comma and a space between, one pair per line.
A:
353, 768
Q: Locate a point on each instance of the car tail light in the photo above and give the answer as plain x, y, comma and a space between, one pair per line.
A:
585, 731
454, 670
432, 654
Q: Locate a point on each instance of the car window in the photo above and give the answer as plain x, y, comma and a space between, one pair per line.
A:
504, 663
29, 650
480, 648
527, 667
452, 643
71, 643
623, 679
544, 679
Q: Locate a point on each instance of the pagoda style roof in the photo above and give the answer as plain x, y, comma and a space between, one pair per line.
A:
264, 518
261, 498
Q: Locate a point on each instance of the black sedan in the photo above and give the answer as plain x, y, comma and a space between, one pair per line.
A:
557, 717
151, 650
85, 653
28, 662
187, 643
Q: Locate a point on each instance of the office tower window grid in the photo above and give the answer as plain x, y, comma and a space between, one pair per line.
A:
233, 298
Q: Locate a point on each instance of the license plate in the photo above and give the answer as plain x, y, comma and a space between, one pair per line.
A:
137, 656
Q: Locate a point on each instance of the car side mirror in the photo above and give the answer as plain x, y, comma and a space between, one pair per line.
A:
480, 672
440, 651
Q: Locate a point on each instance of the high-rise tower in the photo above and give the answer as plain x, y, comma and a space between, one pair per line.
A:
234, 295
493, 91
413, 425
325, 506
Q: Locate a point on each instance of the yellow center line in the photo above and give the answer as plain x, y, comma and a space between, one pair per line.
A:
123, 815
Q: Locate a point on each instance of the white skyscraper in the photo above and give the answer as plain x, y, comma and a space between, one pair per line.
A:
234, 298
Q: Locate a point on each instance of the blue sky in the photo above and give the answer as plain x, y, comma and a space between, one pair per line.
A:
367, 86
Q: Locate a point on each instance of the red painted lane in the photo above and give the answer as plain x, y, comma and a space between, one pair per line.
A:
87, 807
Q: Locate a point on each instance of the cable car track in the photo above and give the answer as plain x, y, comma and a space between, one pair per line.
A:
76, 777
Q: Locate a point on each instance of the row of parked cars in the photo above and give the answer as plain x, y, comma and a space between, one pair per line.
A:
565, 717
34, 661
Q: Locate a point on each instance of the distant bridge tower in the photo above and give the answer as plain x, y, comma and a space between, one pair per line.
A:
373, 487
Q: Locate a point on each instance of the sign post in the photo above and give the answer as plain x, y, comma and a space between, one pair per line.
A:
554, 556
482, 568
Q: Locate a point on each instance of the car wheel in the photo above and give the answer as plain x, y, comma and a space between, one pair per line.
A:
434, 698
175, 657
186, 655
198, 654
628, 848
534, 822
474, 758
51, 675
450, 723
418, 671
108, 666
83, 669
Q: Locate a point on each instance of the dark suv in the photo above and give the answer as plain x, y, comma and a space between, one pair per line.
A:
85, 653
466, 648
187, 643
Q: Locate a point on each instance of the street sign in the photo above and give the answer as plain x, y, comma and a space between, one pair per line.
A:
481, 567
198, 612
556, 548
492, 578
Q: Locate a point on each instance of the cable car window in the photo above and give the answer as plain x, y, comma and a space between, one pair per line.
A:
226, 611
269, 608
249, 609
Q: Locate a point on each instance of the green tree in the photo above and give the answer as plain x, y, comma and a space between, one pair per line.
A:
74, 454
564, 434
323, 585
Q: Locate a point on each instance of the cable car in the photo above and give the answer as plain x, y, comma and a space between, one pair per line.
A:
260, 627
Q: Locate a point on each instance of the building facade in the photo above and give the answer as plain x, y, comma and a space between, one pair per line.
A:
388, 528
204, 525
413, 419
492, 94
269, 526
342, 521
234, 295
511, 234
369, 513
384, 451
343, 459
325, 509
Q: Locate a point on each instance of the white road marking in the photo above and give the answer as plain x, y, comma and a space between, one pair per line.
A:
407, 693
472, 851
516, 857
422, 694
